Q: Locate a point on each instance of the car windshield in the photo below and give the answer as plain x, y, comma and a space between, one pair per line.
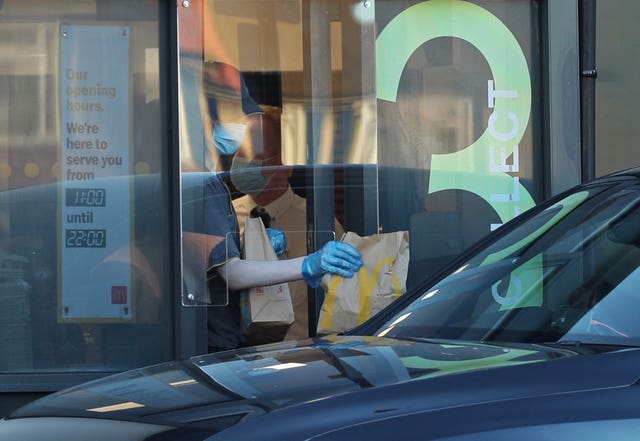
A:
569, 274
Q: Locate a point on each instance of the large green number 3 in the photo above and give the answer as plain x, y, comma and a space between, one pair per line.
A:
480, 168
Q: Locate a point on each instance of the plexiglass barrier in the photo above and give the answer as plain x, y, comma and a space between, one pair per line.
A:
208, 284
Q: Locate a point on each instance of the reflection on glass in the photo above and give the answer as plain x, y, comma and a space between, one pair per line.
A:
81, 188
579, 262
285, 119
457, 121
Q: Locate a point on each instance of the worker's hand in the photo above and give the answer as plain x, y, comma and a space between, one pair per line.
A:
278, 240
335, 258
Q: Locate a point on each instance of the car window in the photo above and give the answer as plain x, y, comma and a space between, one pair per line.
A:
567, 274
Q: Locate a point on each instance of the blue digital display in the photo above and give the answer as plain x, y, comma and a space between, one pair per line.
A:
85, 197
84, 238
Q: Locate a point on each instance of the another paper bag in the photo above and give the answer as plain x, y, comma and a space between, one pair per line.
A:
348, 302
267, 312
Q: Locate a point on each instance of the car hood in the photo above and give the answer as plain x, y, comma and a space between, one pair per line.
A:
220, 390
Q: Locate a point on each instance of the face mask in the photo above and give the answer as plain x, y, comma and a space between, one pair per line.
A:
246, 175
227, 137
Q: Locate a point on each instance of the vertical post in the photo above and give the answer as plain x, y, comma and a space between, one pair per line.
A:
562, 92
186, 26
588, 72
318, 91
360, 145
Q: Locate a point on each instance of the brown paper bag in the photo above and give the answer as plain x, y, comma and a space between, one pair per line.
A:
267, 312
348, 302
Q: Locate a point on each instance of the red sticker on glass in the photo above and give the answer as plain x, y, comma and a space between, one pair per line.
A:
118, 295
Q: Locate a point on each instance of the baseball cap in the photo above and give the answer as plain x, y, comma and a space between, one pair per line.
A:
224, 82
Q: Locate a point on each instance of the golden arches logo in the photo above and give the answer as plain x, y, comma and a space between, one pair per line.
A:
367, 281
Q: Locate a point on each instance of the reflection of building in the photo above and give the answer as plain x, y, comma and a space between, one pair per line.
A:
381, 159
16, 339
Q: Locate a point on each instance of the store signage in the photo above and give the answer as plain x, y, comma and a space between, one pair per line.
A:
481, 168
95, 218
489, 166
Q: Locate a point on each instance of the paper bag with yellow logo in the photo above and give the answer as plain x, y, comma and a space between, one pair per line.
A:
382, 279
267, 311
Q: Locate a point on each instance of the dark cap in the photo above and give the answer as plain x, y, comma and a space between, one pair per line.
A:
249, 106
223, 80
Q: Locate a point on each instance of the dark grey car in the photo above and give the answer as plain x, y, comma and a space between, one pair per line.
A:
532, 334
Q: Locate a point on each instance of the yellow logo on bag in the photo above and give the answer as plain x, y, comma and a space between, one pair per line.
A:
367, 283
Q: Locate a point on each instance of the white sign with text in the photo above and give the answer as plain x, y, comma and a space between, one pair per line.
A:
95, 222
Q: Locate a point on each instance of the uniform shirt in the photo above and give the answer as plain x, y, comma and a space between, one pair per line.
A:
207, 212
289, 213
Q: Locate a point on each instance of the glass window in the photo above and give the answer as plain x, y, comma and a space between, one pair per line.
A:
459, 128
82, 212
363, 116
566, 275
616, 90
277, 105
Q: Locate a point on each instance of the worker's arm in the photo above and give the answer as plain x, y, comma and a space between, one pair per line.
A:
334, 258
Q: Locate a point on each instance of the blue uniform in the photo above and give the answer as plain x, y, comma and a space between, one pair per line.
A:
207, 209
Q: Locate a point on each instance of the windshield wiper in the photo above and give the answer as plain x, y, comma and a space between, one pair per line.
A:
423, 339
585, 347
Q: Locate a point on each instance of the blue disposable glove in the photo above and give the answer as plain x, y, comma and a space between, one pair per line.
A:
278, 240
335, 258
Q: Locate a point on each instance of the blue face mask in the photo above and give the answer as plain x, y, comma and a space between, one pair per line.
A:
246, 175
227, 137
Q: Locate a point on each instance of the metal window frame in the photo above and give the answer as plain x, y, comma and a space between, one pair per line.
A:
561, 95
17, 388
562, 119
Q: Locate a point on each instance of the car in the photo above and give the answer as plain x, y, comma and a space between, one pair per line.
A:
533, 333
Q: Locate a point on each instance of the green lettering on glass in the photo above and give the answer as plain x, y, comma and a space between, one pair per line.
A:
526, 282
480, 168
477, 168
